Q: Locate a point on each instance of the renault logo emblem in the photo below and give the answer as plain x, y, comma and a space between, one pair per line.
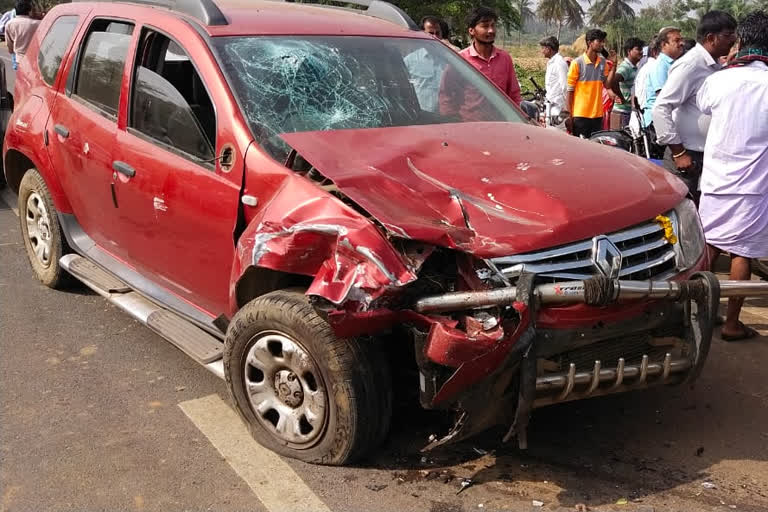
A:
606, 257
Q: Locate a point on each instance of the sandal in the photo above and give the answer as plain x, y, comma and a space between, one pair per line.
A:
747, 333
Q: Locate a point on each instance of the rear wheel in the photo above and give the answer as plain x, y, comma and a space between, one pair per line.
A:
303, 392
41, 231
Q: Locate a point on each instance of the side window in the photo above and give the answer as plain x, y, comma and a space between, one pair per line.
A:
54, 45
169, 103
102, 61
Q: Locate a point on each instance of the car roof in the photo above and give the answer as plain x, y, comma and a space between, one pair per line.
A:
270, 17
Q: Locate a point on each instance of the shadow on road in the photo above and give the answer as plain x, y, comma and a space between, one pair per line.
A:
630, 446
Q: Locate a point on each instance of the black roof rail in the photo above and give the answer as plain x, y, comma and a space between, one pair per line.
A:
378, 9
206, 11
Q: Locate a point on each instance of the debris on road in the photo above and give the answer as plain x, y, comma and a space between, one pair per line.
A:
537, 503
622, 501
708, 485
465, 484
180, 388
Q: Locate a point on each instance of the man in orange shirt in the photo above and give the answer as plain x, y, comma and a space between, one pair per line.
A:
586, 78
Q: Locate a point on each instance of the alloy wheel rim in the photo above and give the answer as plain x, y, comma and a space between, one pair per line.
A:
39, 228
285, 389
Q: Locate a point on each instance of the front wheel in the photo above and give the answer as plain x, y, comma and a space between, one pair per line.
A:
303, 392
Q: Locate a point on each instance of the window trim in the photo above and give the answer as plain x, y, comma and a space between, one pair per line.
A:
72, 37
211, 166
74, 71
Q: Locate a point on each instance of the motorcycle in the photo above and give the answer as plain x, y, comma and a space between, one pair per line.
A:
540, 109
634, 138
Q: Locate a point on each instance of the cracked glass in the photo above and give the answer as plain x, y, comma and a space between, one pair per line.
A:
318, 83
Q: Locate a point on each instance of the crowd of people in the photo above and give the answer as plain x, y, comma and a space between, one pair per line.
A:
705, 101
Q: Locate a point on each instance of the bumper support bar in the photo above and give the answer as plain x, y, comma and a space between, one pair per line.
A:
595, 291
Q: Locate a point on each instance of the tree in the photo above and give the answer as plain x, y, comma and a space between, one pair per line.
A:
561, 13
526, 15
604, 12
455, 12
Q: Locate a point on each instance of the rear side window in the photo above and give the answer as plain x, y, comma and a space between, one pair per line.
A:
102, 61
54, 45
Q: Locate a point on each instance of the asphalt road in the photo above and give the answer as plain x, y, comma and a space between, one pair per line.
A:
98, 413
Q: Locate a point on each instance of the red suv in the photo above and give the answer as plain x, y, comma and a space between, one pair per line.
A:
298, 195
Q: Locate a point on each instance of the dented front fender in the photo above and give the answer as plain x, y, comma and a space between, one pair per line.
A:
303, 230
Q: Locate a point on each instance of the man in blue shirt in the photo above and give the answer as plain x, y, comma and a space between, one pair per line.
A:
671, 42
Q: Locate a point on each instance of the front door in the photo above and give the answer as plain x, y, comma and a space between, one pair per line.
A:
178, 210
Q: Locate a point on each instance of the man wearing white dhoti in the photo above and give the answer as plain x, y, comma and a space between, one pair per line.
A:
734, 182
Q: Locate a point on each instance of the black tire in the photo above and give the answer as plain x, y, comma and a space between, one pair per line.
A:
760, 267
47, 270
354, 374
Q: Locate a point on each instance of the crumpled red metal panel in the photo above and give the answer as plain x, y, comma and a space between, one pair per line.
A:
490, 189
477, 369
453, 347
306, 231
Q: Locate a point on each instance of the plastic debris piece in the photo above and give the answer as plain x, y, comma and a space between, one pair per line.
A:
480, 451
708, 485
537, 503
622, 501
465, 484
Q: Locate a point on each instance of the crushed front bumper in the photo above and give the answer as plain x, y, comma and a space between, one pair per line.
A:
510, 377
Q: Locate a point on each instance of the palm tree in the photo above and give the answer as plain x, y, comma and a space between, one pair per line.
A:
604, 12
561, 12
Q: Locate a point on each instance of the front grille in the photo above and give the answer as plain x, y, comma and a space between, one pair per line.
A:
631, 348
645, 254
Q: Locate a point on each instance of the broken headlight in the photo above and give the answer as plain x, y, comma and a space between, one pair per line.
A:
690, 234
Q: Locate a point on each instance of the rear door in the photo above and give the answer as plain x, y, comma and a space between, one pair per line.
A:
83, 125
178, 210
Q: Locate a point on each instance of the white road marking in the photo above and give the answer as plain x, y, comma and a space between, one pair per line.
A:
10, 199
273, 481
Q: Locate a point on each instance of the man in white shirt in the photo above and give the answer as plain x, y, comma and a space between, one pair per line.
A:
642, 70
679, 123
734, 183
425, 69
556, 78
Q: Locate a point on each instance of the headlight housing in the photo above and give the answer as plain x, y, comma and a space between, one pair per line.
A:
691, 243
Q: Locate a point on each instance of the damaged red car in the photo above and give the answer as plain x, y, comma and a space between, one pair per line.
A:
289, 203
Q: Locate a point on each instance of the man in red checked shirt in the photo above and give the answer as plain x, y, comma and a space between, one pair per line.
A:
493, 62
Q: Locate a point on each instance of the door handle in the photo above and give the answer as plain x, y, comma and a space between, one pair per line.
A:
61, 130
124, 168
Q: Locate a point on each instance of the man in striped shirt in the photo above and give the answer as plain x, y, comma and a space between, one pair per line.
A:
586, 78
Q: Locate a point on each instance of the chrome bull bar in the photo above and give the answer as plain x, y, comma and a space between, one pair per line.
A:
622, 378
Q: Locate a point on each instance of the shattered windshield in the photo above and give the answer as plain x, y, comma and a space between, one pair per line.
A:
290, 84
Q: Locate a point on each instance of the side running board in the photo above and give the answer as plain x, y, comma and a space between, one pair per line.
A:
196, 343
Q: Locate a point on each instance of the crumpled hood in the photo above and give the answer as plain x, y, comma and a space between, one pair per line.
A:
491, 189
